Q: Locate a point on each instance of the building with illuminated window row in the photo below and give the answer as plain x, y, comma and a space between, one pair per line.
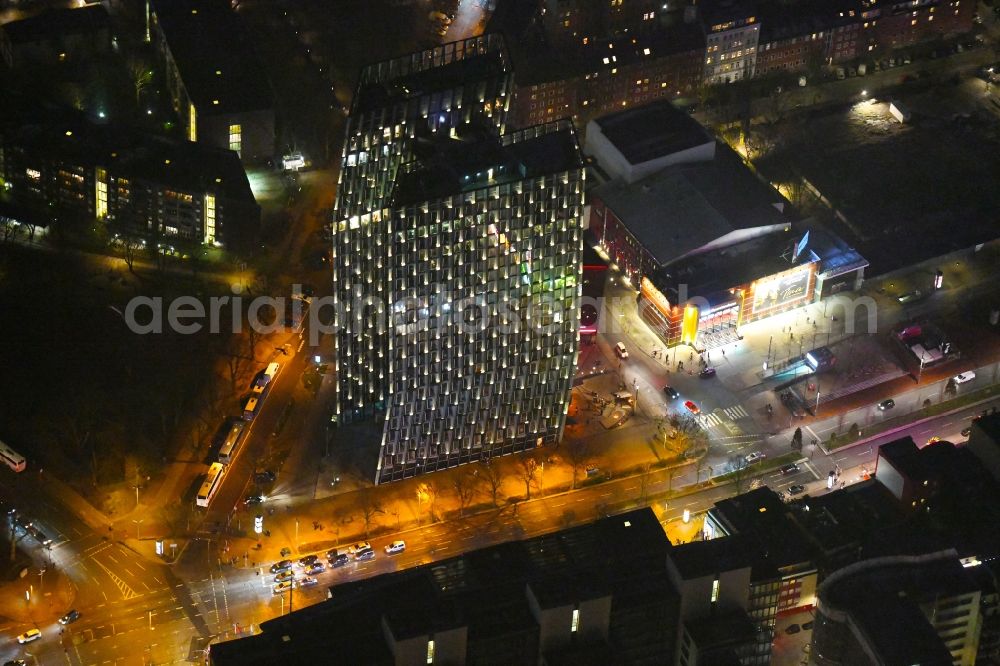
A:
457, 292
59, 166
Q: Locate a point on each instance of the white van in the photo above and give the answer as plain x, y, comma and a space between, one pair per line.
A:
621, 351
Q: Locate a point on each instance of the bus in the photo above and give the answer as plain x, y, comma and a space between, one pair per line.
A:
266, 377
212, 482
12, 458
231, 445
252, 407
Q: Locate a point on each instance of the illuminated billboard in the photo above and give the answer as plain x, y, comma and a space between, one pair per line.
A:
774, 292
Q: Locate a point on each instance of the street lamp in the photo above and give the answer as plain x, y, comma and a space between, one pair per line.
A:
137, 523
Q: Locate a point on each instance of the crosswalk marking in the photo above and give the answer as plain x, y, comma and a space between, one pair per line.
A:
123, 587
709, 420
736, 412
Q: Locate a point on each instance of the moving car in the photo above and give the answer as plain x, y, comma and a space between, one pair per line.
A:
315, 568
964, 377
621, 351
691, 407
671, 393
791, 468
793, 629
69, 617
909, 296
360, 547
887, 404
308, 560
751, 458
283, 565
307, 582
397, 546
339, 560
365, 555
966, 431
796, 489
707, 373
253, 499
283, 586
28, 636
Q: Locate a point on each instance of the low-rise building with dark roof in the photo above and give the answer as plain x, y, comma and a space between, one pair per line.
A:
984, 442
602, 590
61, 165
216, 81
58, 35
899, 610
632, 144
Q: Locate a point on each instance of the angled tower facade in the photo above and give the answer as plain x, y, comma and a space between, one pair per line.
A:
457, 259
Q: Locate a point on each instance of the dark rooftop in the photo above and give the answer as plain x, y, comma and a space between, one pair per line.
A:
442, 68
446, 166
538, 61
904, 455
704, 558
684, 207
68, 134
484, 590
654, 130
55, 22
883, 596
215, 56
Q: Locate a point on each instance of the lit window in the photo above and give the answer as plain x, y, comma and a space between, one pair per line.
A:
33, 174
236, 138
575, 623
715, 590
430, 652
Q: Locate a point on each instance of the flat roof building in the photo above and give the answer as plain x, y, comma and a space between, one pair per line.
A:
216, 81
600, 593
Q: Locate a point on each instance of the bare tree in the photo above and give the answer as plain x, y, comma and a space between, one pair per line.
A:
740, 470
491, 475
8, 229
527, 470
577, 454
463, 482
131, 246
370, 506
141, 76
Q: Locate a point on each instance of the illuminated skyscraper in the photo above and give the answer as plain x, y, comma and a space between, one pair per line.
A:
457, 259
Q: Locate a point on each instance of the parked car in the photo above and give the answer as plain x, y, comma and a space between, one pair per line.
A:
791, 468
966, 431
308, 560
315, 568
283, 565
365, 555
283, 586
397, 546
796, 489
707, 373
671, 393
282, 576
70, 617
887, 404
621, 351
793, 629
751, 458
267, 476
339, 560
964, 377
691, 407
308, 581
28, 636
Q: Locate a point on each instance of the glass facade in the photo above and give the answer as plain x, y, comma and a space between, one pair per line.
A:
457, 264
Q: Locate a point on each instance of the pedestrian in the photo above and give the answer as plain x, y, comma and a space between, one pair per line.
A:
723, 353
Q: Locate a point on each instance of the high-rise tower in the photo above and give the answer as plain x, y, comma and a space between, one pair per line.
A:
457, 258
